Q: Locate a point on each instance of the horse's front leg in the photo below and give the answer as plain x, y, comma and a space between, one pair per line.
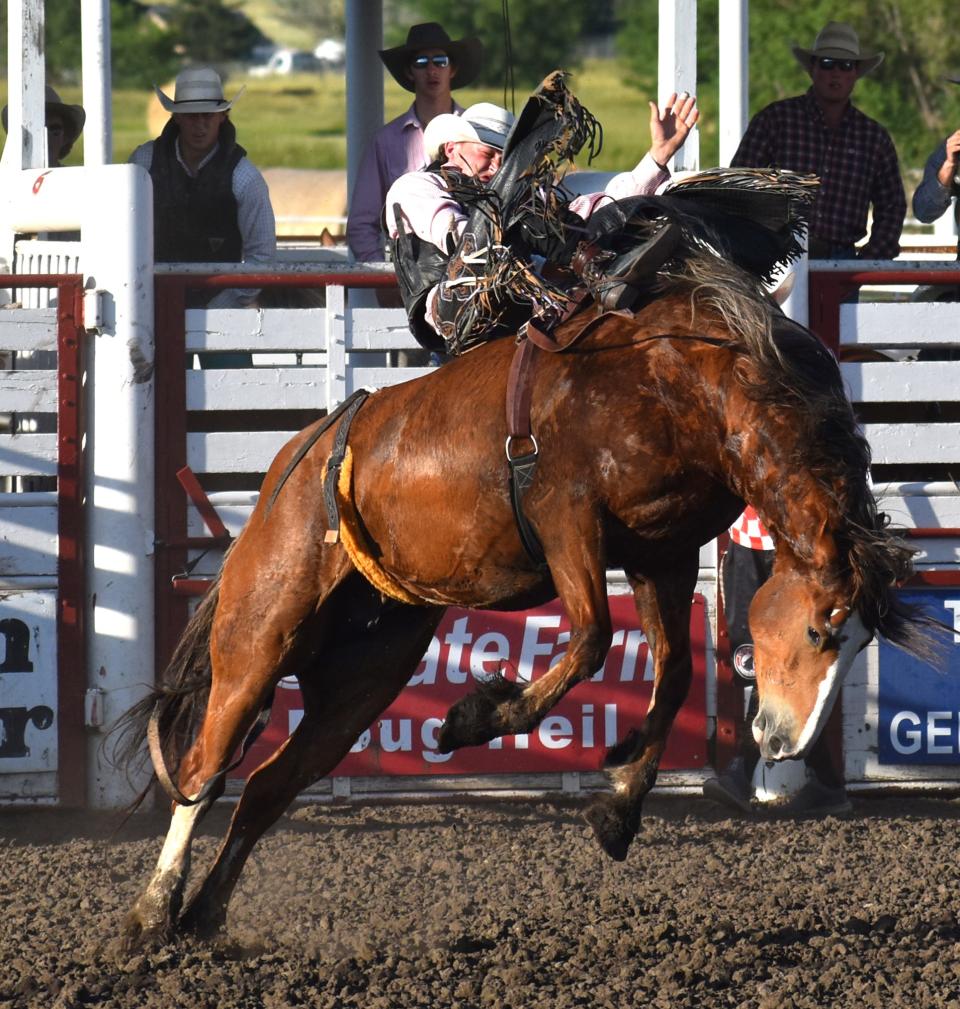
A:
502, 707
663, 606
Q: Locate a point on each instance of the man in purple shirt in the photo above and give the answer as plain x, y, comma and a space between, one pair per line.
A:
431, 65
822, 133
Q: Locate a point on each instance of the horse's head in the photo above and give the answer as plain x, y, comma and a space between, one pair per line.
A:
805, 638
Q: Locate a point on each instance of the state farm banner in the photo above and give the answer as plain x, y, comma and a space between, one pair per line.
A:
476, 643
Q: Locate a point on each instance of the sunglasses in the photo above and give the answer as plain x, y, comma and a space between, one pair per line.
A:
422, 62
827, 63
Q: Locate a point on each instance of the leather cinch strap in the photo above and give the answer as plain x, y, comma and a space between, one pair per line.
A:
522, 465
334, 463
533, 335
328, 421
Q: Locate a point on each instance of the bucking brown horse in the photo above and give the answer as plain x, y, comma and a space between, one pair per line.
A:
653, 431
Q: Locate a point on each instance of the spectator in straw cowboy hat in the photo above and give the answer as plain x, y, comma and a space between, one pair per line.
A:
64, 125
823, 133
210, 204
431, 65
940, 186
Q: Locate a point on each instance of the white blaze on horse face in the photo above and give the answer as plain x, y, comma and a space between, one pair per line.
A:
853, 636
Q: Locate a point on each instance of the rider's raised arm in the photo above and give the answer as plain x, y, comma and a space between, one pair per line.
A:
670, 128
668, 131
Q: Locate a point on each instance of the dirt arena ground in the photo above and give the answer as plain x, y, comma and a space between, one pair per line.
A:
503, 904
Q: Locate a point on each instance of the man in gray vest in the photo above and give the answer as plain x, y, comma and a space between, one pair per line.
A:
210, 204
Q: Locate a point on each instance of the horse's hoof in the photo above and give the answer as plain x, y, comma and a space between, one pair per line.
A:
612, 825
136, 934
480, 716
464, 726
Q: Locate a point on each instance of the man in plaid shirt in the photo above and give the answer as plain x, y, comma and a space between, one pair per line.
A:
822, 133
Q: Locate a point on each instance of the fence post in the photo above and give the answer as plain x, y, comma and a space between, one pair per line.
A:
119, 457
677, 58
335, 338
71, 636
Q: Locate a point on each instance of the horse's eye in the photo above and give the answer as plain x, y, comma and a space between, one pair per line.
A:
814, 637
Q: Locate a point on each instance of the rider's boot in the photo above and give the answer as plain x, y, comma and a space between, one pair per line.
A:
619, 280
461, 305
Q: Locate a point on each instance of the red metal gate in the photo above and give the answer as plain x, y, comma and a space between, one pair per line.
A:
70, 596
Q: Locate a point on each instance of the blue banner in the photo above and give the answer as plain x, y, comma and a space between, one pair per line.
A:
920, 705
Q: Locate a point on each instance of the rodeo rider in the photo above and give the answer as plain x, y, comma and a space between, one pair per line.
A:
427, 225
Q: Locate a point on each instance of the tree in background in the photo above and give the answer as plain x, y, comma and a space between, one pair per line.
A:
140, 51
922, 43
324, 18
540, 35
212, 32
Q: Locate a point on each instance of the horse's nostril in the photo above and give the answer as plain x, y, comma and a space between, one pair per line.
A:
775, 745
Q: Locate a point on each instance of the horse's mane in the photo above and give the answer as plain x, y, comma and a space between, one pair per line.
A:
784, 365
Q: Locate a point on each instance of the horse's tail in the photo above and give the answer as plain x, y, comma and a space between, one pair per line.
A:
177, 702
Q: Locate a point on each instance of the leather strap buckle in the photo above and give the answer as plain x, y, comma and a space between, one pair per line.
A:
515, 459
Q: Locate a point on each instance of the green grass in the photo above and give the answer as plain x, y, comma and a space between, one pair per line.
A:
299, 121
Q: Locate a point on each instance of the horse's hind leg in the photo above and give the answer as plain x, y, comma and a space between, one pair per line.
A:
358, 679
156, 909
257, 637
663, 606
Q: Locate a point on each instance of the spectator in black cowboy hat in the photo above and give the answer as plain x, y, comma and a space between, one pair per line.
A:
431, 65
64, 125
210, 204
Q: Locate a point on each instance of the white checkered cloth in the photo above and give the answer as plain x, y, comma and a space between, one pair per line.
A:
748, 531
258, 228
